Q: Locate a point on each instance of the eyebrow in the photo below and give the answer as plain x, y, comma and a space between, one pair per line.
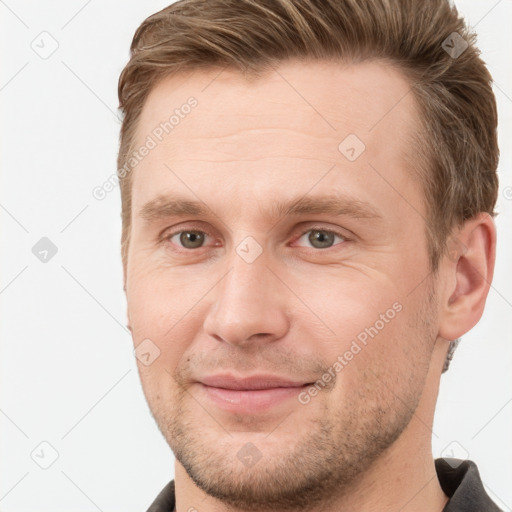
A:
163, 207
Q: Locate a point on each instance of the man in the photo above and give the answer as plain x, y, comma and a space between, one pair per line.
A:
308, 194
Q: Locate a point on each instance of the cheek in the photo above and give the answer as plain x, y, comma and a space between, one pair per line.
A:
158, 299
354, 306
162, 316
374, 327
381, 370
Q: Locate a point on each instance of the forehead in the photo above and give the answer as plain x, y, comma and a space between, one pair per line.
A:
295, 121
330, 97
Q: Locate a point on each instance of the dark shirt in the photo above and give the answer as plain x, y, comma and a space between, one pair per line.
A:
460, 481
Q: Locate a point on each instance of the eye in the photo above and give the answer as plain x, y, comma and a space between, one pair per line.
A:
321, 238
191, 239
317, 238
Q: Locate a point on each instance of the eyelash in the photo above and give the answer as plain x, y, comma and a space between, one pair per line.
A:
167, 237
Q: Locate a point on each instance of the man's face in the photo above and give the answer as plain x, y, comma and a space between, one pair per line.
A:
337, 286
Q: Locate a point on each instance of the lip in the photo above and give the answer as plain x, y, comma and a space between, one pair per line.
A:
254, 382
249, 395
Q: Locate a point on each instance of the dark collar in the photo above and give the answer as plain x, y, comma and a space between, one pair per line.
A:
460, 481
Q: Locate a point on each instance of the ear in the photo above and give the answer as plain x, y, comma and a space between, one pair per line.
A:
468, 269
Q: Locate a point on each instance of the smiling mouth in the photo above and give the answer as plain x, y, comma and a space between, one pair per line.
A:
250, 394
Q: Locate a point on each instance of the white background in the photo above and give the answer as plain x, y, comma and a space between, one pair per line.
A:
67, 369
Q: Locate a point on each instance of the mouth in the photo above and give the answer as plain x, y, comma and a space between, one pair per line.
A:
250, 395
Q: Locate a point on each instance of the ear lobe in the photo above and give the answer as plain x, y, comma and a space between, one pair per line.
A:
469, 269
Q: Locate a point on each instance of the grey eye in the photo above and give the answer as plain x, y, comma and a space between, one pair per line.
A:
321, 239
191, 239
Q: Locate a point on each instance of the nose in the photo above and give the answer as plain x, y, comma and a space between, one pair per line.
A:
249, 305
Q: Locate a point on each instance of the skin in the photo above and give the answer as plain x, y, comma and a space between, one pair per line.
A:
364, 442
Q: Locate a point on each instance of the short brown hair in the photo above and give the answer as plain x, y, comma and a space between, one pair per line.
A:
457, 150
